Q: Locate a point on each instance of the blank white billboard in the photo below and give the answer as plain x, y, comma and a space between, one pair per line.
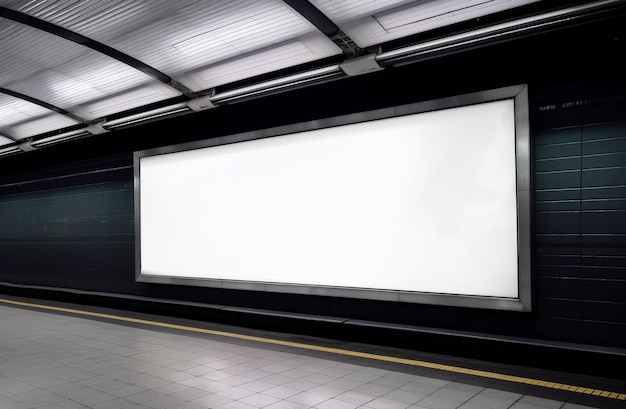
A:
420, 203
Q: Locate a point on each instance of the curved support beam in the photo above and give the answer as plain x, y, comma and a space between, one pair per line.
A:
41, 103
77, 38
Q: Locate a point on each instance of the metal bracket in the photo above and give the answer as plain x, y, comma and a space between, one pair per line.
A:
360, 65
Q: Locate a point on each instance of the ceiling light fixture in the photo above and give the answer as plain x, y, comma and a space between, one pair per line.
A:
496, 33
360, 65
201, 103
9, 151
315, 76
62, 137
142, 117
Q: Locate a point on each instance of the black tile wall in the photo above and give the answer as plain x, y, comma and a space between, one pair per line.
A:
73, 230
580, 221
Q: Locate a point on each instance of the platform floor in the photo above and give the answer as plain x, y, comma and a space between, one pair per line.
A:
63, 356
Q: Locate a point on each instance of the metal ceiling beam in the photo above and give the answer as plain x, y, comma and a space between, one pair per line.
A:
326, 26
41, 103
77, 38
315, 17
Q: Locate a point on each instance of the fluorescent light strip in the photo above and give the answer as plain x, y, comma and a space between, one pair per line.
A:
9, 151
146, 116
496, 32
280, 84
60, 138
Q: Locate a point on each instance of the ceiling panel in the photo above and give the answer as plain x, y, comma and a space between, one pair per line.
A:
5, 141
22, 119
69, 76
372, 22
263, 61
72, 62
187, 36
39, 125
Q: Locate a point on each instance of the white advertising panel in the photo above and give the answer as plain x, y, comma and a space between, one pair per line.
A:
425, 203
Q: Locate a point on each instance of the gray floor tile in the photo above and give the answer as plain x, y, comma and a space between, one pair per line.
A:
236, 380
211, 400
392, 382
438, 403
217, 375
236, 405
496, 393
336, 372
64, 404
309, 399
39, 400
301, 384
257, 386
259, 400
165, 402
453, 394
539, 402
337, 404
356, 397
15, 405
286, 405
385, 403
277, 379
118, 403
43, 381
212, 386
489, 402
235, 393
50, 361
328, 389
372, 389
189, 393
402, 395
362, 376
281, 392
145, 396
318, 378
346, 384
568, 405
92, 398
419, 388
525, 405
187, 405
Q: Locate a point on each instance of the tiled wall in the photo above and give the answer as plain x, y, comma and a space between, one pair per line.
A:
69, 230
580, 219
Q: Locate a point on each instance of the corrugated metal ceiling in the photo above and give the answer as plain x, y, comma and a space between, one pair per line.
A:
73, 67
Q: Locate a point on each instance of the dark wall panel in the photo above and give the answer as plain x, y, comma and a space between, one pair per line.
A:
70, 230
580, 221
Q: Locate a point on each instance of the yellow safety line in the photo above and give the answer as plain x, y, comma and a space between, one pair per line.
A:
412, 362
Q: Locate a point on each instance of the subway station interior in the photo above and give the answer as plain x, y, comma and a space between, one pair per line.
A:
312, 204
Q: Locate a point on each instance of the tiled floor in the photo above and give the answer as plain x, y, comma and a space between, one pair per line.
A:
52, 360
